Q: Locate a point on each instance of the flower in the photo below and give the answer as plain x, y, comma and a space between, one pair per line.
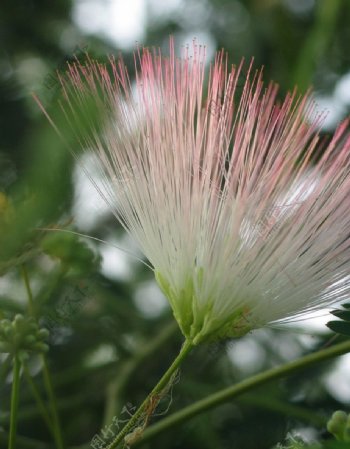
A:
245, 221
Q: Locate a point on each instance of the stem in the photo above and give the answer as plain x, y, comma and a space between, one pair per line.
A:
154, 395
130, 366
47, 378
53, 405
29, 290
40, 403
14, 402
227, 394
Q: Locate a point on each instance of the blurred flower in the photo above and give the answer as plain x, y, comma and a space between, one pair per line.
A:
245, 221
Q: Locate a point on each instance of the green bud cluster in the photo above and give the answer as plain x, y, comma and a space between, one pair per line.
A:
22, 336
339, 426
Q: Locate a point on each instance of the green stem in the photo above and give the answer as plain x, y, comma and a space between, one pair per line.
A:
47, 377
28, 290
153, 396
53, 405
115, 388
227, 394
37, 397
14, 402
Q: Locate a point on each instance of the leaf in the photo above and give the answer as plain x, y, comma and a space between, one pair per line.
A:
342, 314
340, 327
346, 305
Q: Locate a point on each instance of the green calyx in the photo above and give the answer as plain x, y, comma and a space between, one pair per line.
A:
22, 336
200, 323
181, 303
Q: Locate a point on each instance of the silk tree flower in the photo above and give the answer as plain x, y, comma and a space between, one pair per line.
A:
242, 213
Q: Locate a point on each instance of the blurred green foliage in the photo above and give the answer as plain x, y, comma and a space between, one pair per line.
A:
105, 351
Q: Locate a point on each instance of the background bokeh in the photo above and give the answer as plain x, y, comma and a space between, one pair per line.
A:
112, 333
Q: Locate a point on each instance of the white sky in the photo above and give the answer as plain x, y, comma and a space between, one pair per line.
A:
122, 22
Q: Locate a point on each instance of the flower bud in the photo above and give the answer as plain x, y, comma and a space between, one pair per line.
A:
337, 424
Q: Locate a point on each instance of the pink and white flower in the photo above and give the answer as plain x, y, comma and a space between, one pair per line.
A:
227, 191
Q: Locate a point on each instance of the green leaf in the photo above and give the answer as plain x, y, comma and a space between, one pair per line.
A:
342, 314
340, 327
346, 305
